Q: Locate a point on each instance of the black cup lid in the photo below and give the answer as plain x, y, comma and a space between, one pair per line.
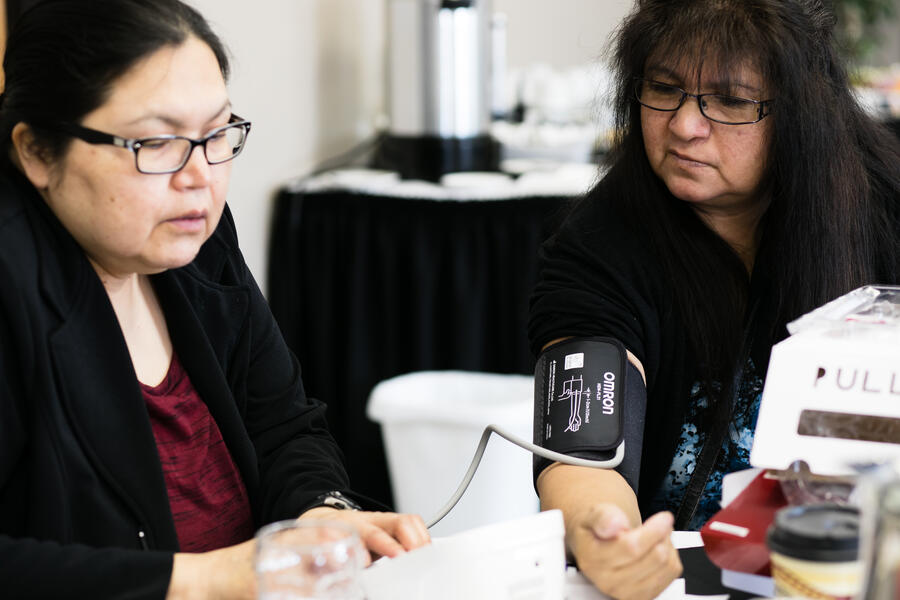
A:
818, 532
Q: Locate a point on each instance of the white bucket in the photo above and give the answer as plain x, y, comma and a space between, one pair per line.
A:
431, 424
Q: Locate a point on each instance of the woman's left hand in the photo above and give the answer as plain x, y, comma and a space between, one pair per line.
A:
382, 533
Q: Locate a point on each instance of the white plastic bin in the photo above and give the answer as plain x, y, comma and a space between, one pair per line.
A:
432, 422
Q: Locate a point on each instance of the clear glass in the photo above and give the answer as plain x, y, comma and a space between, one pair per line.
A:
166, 154
880, 533
730, 110
865, 309
801, 487
309, 560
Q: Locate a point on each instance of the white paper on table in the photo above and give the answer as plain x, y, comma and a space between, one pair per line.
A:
686, 539
761, 585
515, 558
579, 588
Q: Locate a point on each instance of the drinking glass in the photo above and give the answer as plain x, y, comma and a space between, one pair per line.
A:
309, 560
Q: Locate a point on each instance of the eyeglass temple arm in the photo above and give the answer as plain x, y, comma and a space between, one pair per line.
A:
94, 137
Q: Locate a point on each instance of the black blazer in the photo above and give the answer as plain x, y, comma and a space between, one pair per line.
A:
84, 511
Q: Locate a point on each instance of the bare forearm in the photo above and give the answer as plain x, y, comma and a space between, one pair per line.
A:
575, 489
223, 574
187, 581
624, 558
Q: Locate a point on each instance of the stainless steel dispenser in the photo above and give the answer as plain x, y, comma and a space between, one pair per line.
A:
439, 88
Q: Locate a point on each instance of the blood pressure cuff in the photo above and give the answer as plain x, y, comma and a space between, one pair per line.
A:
579, 401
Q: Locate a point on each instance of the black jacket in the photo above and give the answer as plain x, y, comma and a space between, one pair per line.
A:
84, 511
600, 276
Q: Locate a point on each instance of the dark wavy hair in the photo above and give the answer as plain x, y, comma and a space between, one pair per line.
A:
62, 57
833, 172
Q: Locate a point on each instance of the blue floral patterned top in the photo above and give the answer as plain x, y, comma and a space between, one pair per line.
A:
735, 454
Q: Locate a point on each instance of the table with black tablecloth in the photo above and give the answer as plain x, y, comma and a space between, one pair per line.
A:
366, 286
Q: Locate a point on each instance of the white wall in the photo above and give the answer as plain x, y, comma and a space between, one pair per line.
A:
559, 32
888, 51
310, 75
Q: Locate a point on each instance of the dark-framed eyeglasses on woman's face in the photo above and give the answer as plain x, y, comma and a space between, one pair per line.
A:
721, 108
162, 154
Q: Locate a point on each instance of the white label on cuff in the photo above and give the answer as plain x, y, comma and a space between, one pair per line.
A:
575, 361
735, 530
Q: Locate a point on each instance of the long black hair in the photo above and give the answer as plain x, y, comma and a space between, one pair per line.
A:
63, 56
833, 173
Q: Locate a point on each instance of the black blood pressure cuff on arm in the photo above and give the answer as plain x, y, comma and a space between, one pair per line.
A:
588, 399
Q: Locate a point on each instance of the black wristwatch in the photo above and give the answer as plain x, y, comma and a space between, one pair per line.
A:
336, 500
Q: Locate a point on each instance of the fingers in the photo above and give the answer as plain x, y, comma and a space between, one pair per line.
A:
606, 521
379, 542
382, 533
648, 576
622, 562
411, 532
634, 544
408, 531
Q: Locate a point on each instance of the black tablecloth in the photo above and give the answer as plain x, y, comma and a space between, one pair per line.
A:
368, 287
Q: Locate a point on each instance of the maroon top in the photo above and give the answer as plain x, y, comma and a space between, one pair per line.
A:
207, 496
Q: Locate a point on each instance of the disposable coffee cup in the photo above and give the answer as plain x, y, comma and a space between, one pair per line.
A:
814, 551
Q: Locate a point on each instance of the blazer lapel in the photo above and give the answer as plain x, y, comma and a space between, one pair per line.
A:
98, 385
208, 326
99, 389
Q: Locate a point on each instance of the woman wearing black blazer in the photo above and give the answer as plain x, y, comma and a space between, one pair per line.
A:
151, 416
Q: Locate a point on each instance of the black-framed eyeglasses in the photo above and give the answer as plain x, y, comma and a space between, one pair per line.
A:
729, 110
169, 153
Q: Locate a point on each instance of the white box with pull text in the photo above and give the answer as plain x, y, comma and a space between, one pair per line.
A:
832, 392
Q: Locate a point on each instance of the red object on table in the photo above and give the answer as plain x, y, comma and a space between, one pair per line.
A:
735, 537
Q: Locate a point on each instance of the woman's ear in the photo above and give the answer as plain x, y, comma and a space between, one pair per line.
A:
27, 153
